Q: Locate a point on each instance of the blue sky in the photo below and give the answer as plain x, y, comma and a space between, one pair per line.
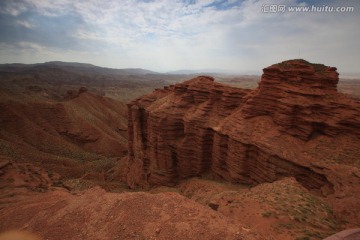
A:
165, 35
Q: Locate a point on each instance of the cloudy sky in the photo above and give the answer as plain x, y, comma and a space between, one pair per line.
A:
166, 35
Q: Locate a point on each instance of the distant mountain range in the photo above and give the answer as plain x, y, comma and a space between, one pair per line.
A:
82, 67
86, 67
57, 78
90, 68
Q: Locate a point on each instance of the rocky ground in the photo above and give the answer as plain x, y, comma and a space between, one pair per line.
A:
205, 161
195, 209
97, 214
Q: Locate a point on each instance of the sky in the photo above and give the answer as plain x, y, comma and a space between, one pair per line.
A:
166, 35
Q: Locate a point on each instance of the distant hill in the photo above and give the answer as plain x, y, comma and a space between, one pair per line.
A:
82, 67
59, 77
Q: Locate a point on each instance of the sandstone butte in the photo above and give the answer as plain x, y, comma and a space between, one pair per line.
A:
295, 124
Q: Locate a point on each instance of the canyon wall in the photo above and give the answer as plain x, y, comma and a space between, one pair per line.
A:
294, 124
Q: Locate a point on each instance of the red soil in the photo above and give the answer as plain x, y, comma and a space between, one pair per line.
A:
279, 162
96, 214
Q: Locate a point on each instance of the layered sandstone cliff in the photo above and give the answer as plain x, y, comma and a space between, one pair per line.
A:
294, 124
302, 100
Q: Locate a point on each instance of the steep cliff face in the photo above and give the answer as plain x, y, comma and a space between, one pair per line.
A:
171, 130
294, 124
302, 100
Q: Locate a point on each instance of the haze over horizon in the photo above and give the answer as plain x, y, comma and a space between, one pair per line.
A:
234, 36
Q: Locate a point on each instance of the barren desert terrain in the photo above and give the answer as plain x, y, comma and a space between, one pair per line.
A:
195, 159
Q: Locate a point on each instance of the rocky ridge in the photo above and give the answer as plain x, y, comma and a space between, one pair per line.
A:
295, 124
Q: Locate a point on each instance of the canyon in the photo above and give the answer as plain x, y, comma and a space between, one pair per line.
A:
295, 124
197, 159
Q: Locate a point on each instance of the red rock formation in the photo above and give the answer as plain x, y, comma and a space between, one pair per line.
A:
294, 124
302, 99
182, 114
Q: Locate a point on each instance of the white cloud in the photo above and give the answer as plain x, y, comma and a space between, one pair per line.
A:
25, 24
171, 34
13, 8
